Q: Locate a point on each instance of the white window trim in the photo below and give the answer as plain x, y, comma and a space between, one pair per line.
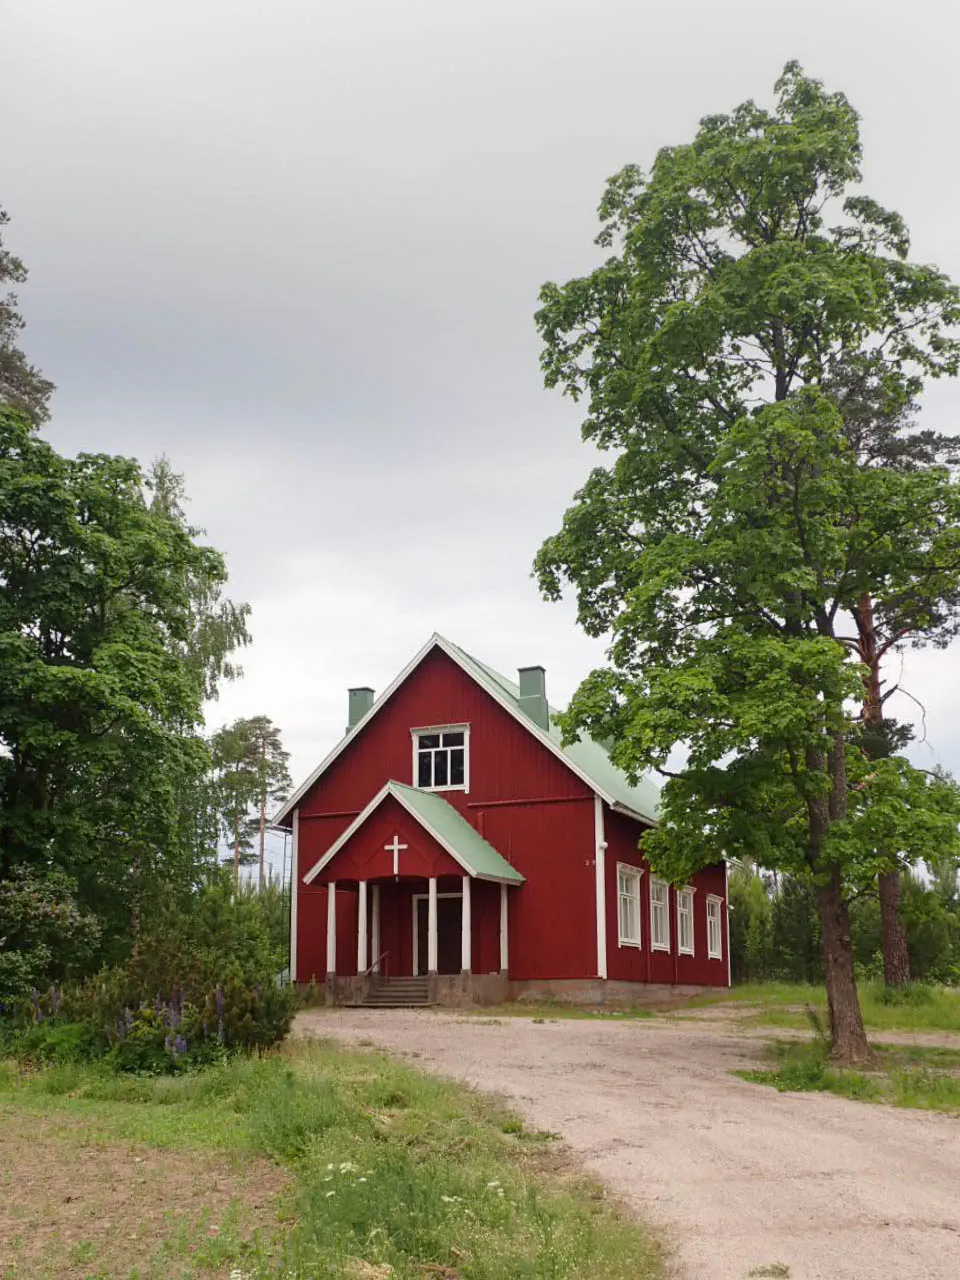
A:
638, 873
713, 954
681, 949
654, 945
442, 728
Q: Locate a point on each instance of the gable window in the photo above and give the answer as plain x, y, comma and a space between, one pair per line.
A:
685, 921
440, 758
628, 905
659, 916
714, 934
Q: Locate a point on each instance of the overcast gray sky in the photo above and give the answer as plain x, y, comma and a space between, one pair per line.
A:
297, 247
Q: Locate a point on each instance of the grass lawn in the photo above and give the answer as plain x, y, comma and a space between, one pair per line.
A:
913, 1076
313, 1162
781, 1004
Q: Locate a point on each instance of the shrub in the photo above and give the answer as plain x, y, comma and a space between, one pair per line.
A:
44, 936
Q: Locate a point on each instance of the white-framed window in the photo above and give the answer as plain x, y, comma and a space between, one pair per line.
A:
685, 921
441, 758
628, 905
659, 915
714, 932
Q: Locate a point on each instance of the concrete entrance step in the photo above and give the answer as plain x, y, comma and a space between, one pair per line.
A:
397, 993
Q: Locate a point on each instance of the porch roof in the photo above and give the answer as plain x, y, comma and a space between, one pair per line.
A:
440, 820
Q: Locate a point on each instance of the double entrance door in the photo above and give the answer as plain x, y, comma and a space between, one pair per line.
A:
449, 932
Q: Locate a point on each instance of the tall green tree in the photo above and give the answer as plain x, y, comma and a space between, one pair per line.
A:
250, 767
235, 786
885, 434
735, 530
100, 708
273, 777
22, 387
218, 626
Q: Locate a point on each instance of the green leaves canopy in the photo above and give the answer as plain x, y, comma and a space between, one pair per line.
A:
98, 707
727, 543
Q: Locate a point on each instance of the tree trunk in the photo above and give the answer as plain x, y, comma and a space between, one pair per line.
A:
236, 854
893, 936
846, 1022
263, 802
263, 829
135, 907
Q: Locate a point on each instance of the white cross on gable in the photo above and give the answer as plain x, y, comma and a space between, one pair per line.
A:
395, 848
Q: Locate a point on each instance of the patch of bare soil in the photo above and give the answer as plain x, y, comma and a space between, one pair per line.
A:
71, 1210
745, 1180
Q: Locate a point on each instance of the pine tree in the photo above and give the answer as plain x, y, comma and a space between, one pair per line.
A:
22, 387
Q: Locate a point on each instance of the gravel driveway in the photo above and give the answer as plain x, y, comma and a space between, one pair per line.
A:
740, 1177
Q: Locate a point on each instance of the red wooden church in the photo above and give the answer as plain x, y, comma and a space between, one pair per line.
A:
451, 848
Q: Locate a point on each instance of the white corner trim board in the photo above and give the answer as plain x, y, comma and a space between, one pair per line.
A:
600, 857
294, 892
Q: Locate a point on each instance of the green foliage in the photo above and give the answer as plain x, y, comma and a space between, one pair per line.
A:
96, 707
250, 773
775, 932
214, 937
44, 936
22, 387
727, 547
202, 982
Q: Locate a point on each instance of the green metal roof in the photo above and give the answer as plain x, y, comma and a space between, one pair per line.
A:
587, 755
453, 831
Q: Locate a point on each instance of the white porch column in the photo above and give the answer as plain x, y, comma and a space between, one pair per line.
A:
504, 932
466, 946
432, 927
600, 845
362, 960
294, 890
331, 928
375, 958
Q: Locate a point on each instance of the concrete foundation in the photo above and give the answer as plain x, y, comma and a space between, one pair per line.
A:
461, 989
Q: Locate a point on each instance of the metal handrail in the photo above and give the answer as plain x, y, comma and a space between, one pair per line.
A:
376, 964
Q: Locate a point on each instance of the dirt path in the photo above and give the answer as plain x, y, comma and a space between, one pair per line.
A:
742, 1177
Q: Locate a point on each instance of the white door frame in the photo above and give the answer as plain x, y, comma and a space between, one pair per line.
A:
419, 897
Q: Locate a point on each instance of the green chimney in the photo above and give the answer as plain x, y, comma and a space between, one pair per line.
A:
359, 702
533, 695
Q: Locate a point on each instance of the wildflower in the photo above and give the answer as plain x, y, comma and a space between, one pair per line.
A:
348, 1167
492, 1186
361, 1179
330, 1193
450, 1199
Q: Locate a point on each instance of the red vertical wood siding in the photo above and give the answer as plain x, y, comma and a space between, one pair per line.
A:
553, 929
633, 964
529, 805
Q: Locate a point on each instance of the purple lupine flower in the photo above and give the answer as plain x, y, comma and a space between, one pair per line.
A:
180, 1044
37, 1011
158, 1004
54, 1000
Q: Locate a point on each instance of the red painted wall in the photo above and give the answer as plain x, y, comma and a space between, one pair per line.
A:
529, 805
633, 964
